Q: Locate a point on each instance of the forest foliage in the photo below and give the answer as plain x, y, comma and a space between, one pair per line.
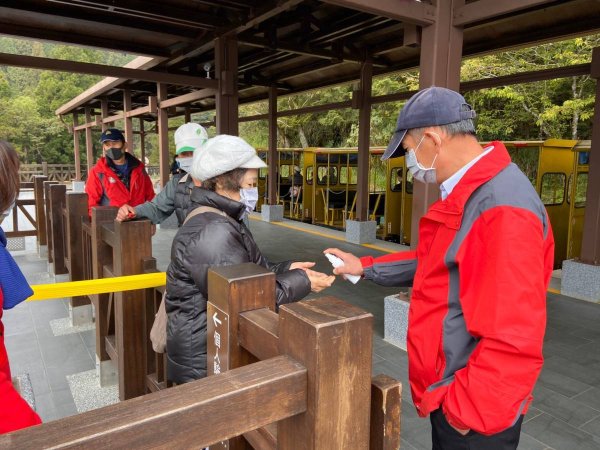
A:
561, 108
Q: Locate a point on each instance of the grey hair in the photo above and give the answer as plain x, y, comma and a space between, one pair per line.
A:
462, 128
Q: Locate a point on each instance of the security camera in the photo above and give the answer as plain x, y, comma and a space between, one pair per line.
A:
207, 67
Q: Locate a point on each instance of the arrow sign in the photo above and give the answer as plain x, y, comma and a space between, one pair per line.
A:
216, 321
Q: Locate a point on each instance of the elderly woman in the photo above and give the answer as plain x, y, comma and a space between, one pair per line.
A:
217, 236
15, 413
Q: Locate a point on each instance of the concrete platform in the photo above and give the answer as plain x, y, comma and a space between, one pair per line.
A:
566, 409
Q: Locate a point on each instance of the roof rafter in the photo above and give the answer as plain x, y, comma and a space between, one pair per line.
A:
410, 11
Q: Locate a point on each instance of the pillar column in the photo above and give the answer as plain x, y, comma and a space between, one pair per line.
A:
226, 69
163, 134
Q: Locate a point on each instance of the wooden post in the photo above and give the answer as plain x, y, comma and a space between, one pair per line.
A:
232, 290
163, 135
142, 142
47, 185
272, 157
77, 209
89, 145
76, 149
58, 193
101, 256
40, 211
226, 70
386, 411
104, 113
128, 128
133, 245
332, 339
364, 133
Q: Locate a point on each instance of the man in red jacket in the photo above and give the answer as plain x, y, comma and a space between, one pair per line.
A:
118, 177
479, 275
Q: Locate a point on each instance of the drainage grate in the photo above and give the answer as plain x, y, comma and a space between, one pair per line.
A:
15, 244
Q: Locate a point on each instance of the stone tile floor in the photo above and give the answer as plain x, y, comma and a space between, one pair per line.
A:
565, 413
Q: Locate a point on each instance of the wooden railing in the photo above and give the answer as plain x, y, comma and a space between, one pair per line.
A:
54, 172
20, 212
311, 389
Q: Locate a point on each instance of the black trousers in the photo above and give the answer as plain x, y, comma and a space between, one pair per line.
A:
445, 437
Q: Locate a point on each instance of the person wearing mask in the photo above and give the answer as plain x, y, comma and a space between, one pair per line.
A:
118, 177
215, 235
479, 275
15, 413
175, 196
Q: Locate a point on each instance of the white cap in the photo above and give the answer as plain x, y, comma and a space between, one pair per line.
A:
222, 154
189, 137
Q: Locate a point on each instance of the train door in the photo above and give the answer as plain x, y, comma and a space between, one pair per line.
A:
554, 170
577, 191
308, 185
407, 199
377, 190
398, 202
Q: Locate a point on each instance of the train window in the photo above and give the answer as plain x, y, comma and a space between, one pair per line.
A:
284, 171
325, 176
581, 190
396, 179
352, 179
583, 158
553, 188
409, 182
309, 174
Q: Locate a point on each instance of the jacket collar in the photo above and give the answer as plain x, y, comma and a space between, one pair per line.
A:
203, 197
484, 170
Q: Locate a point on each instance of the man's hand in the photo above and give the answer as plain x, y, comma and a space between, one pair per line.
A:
318, 280
125, 213
301, 265
352, 265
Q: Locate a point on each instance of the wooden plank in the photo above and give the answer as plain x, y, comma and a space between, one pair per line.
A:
264, 438
259, 333
111, 348
404, 11
386, 411
481, 10
58, 193
232, 290
109, 237
76, 211
48, 226
192, 415
332, 339
101, 256
133, 245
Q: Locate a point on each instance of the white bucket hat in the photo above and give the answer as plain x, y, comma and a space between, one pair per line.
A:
222, 154
189, 137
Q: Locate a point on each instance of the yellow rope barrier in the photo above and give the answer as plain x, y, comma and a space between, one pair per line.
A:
101, 286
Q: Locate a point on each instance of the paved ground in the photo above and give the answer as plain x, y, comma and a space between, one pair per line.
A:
566, 413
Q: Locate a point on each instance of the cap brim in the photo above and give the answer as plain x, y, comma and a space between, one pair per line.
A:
394, 148
185, 149
254, 163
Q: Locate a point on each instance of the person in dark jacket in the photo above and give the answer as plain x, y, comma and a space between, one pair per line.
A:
226, 166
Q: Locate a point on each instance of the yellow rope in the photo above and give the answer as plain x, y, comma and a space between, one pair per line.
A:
101, 286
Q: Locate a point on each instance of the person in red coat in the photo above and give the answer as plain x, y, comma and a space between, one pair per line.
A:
118, 178
479, 275
15, 413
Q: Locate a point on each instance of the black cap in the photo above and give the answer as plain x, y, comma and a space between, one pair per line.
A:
112, 134
427, 108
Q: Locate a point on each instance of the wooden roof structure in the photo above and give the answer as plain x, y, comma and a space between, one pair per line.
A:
261, 49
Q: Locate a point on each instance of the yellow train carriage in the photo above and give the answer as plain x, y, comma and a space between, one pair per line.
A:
289, 182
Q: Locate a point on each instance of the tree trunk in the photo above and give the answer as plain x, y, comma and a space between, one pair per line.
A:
303, 140
575, 119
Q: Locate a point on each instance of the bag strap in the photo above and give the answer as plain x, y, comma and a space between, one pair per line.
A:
203, 209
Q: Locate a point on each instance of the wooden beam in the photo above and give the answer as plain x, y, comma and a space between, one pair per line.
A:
187, 98
488, 9
259, 333
254, 396
163, 135
58, 65
403, 10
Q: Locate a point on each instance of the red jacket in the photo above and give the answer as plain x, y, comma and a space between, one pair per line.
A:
478, 307
15, 413
105, 188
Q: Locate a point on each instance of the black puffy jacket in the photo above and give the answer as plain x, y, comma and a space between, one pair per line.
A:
206, 240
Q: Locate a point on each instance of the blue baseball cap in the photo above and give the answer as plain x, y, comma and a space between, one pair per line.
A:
112, 134
428, 108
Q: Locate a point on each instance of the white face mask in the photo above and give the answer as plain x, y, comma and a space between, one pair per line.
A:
426, 175
249, 197
185, 163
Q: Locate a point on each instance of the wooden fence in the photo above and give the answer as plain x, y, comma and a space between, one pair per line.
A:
297, 380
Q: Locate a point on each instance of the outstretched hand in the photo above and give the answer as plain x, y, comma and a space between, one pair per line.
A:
318, 280
125, 213
352, 265
301, 265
